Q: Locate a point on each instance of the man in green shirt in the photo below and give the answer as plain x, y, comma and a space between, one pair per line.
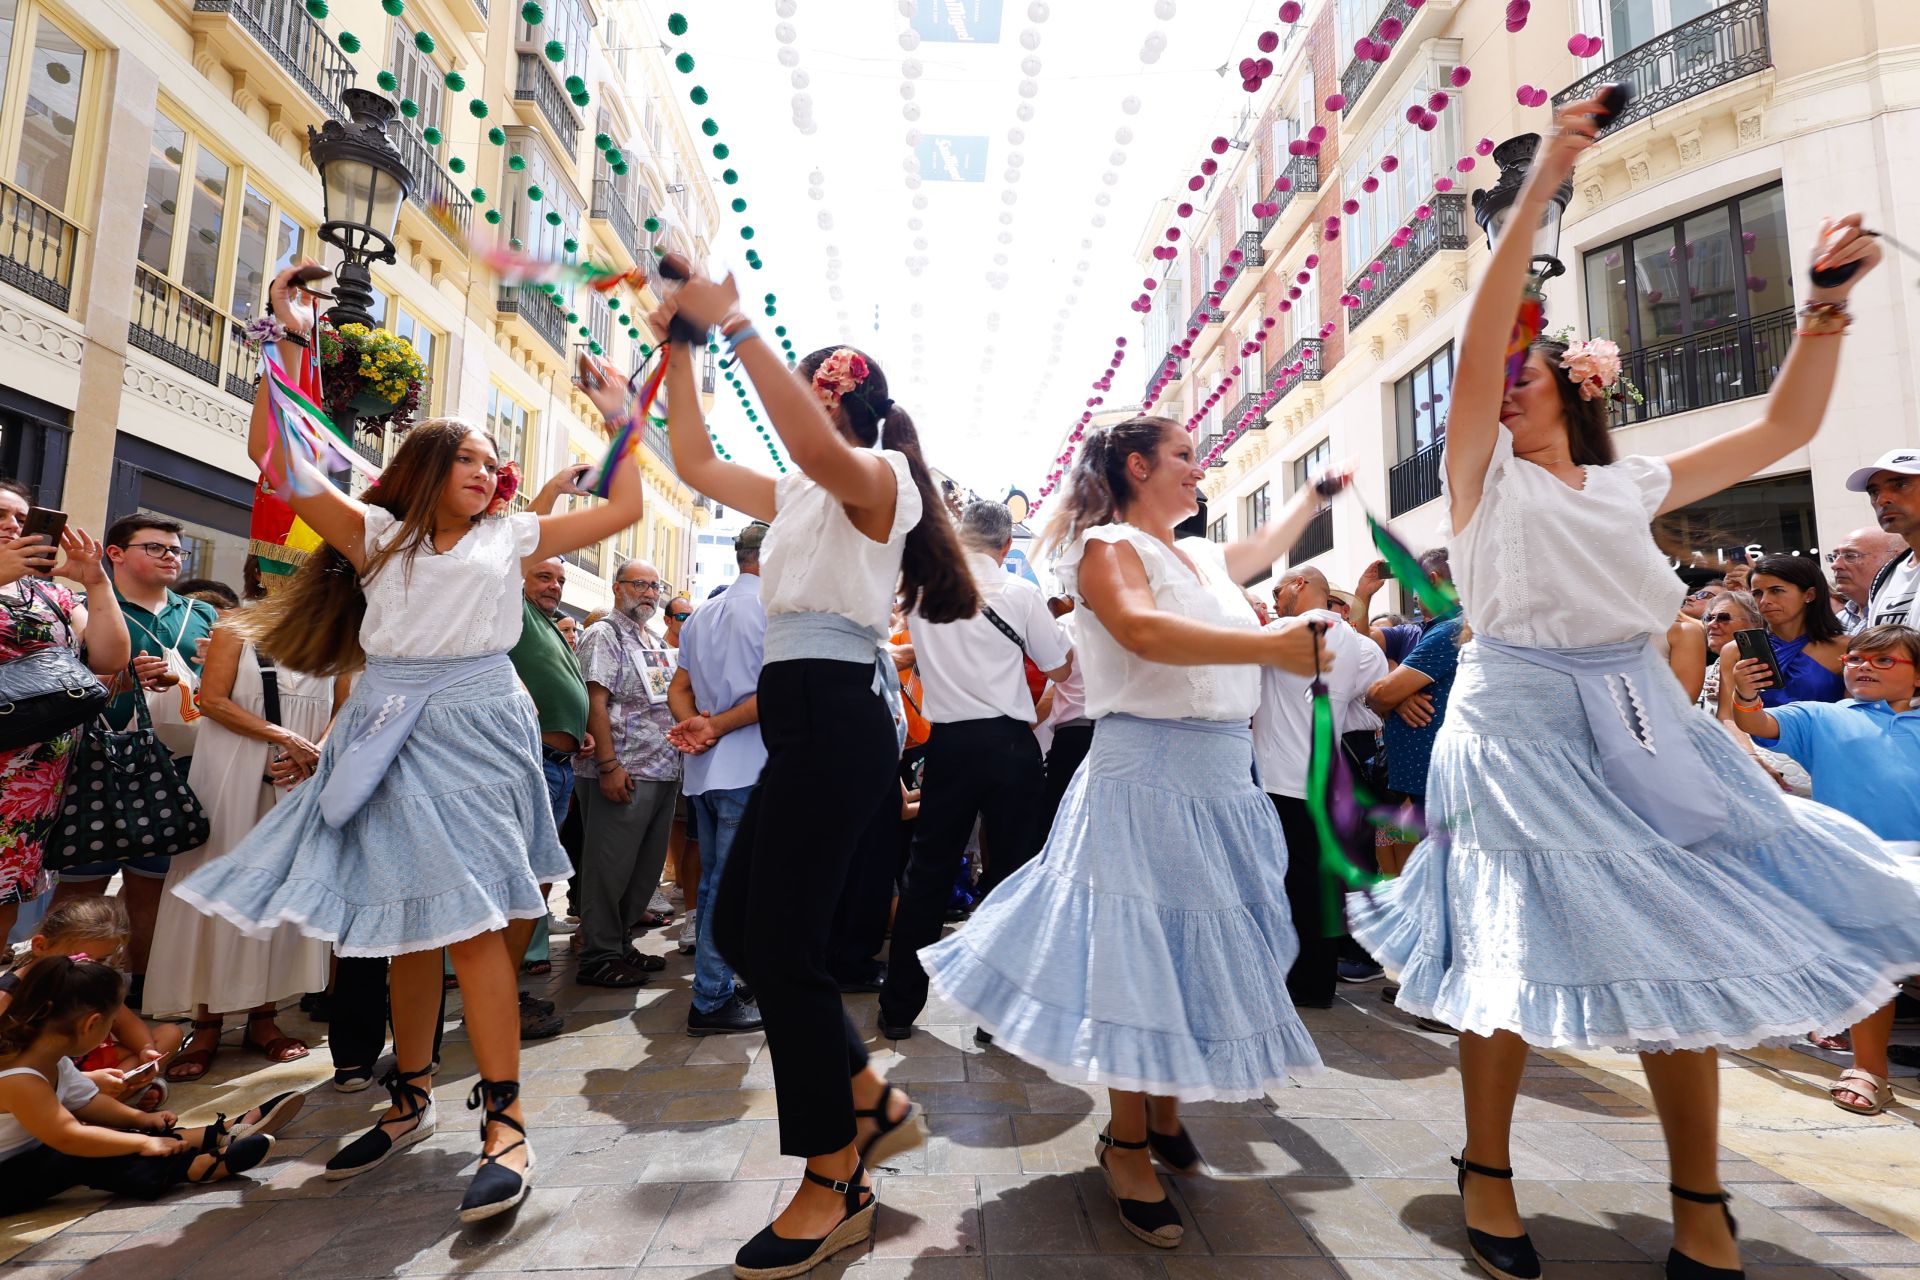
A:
168, 630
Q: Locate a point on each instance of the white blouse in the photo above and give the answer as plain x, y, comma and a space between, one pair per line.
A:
454, 604
1544, 564
815, 561
1119, 680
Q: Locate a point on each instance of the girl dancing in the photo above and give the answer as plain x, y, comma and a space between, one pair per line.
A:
1147, 947
851, 523
1607, 868
426, 823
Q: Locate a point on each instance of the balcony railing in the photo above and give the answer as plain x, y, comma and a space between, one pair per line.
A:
1303, 178
297, 42
1721, 46
241, 363
1361, 71
36, 248
1415, 480
171, 323
1205, 314
370, 442
536, 84
1209, 441
1315, 540
610, 205
539, 311
1167, 364
1239, 411
434, 189
658, 443
1731, 362
1305, 352
1252, 254
1445, 230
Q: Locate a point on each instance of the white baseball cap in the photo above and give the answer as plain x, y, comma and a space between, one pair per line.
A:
1905, 461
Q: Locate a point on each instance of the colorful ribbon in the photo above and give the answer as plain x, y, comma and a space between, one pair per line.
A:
626, 436
303, 446
1527, 326
1437, 599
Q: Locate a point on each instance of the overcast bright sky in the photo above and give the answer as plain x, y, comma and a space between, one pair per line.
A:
967, 342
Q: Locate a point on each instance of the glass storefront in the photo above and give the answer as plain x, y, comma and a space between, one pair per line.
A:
214, 506
1772, 516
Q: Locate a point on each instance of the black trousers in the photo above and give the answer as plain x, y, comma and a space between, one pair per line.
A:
866, 900
1071, 743
357, 1035
1310, 983
829, 776
40, 1173
990, 769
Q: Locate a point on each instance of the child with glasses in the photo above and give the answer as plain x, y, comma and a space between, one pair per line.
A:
1864, 755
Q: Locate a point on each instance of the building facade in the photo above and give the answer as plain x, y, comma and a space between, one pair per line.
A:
1685, 242
154, 176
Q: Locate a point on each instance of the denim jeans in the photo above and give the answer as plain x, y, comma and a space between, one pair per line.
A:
716, 816
560, 794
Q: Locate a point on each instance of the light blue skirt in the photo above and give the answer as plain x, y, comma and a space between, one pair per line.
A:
455, 842
1147, 947
1540, 904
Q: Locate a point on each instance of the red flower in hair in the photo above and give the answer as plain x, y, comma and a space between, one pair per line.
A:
506, 483
838, 374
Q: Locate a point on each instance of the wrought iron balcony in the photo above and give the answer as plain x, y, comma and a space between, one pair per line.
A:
298, 43
1239, 411
1315, 540
1303, 178
1305, 352
610, 206
1208, 443
1445, 230
1205, 314
1415, 480
370, 442
1721, 46
171, 323
541, 313
658, 444
536, 84
1361, 71
1167, 364
1252, 252
241, 362
1731, 362
434, 190
36, 248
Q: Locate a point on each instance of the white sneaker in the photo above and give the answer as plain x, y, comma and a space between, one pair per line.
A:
690, 933
561, 926
676, 895
659, 905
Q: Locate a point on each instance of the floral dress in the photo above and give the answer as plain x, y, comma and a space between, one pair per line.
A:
33, 777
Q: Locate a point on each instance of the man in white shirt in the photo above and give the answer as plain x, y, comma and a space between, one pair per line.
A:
1282, 746
1892, 485
982, 758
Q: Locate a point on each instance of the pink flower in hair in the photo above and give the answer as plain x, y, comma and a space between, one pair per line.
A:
1594, 366
838, 374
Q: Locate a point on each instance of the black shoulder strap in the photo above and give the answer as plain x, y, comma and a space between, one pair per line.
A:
1001, 623
1886, 571
269, 688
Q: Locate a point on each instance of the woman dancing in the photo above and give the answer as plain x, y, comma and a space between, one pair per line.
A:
426, 823
849, 524
1147, 947
1606, 868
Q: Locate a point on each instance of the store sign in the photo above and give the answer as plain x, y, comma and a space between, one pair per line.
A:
958, 21
950, 157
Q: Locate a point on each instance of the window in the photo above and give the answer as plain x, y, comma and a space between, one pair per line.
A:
1302, 318
528, 221
1259, 509
1318, 459
1420, 402
1422, 156
1217, 530
1628, 24
1253, 367
1355, 18
421, 79
587, 557
268, 240
511, 424
565, 21
599, 323
424, 341
47, 68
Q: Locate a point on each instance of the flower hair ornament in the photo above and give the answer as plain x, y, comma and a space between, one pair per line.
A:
506, 483
839, 374
1594, 367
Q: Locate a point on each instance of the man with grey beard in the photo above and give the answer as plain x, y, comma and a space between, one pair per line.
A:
627, 788
1856, 561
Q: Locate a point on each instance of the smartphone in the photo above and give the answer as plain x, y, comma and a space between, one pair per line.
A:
308, 275
1756, 644
673, 267
47, 523
1614, 98
146, 1073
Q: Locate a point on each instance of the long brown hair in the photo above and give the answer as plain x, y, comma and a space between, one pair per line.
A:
1589, 430
313, 623
55, 995
933, 572
1099, 486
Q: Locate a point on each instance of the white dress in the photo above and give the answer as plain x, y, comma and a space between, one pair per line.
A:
202, 959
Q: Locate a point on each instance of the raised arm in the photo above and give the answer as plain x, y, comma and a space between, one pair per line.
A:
626, 499
1255, 555
1798, 401
99, 623
330, 513
727, 483
1480, 370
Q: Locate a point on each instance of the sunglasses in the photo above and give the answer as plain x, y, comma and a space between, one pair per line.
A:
1878, 661
1719, 617
680, 617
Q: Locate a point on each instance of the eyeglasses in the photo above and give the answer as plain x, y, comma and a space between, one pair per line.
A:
1878, 661
159, 550
643, 584
1719, 617
1851, 557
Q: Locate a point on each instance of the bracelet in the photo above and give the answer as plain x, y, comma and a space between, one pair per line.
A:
606, 764
739, 336
1820, 319
1755, 705
733, 323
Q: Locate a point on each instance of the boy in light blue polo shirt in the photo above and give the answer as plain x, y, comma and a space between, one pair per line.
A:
1864, 756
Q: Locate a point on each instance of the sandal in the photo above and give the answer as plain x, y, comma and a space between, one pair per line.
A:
199, 1059
893, 1136
769, 1256
1861, 1084
496, 1187
237, 1155
536, 968
278, 1049
371, 1149
1157, 1222
1839, 1042
274, 1113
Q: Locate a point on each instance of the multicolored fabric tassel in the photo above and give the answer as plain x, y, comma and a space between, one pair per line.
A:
1339, 807
1437, 599
304, 446
1527, 327
626, 436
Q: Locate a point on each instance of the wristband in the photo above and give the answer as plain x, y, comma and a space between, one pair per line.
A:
739, 336
1755, 705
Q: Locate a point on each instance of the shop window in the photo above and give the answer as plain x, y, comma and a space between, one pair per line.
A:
1420, 402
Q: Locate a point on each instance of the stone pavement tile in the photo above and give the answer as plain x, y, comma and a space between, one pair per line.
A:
1830, 1220
1055, 1144
286, 1236
709, 1221
1324, 1148
739, 1104
1411, 1149
971, 1144
741, 1047
1340, 1104
575, 1230
1050, 1097
383, 1241
179, 1243
72, 1246
1390, 1045
1037, 1215
1560, 1229
1116, 1267
908, 1070
1347, 1221
1884, 1247
983, 1098
1243, 1146
1180, 1265
114, 1215
995, 1066
1579, 1153
1410, 1268
1243, 1217
927, 1217
696, 1153
1780, 1195
1862, 1273
1103, 1217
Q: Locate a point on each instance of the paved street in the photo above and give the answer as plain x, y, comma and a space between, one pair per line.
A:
658, 1157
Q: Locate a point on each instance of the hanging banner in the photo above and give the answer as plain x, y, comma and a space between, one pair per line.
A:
949, 157
958, 21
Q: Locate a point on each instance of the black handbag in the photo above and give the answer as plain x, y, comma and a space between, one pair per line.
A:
125, 799
48, 691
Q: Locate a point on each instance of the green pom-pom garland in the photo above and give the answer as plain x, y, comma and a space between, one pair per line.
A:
493, 217
746, 233
652, 225
555, 51
532, 14
739, 205
603, 142
516, 163
677, 23
729, 177
683, 62
496, 135
699, 96
574, 84
721, 151
387, 81
582, 98
423, 42
409, 108
349, 42
570, 245
455, 81
710, 127
478, 107
432, 136
479, 195
553, 219
317, 10
394, 8
456, 164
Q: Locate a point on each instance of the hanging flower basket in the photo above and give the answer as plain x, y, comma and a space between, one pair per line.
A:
373, 373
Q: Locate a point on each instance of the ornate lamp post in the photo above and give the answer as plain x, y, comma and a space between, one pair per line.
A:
363, 180
1491, 206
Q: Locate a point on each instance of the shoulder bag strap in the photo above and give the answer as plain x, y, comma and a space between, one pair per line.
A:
269, 689
1001, 624
66, 619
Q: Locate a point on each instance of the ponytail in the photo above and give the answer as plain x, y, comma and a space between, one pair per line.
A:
1098, 487
55, 994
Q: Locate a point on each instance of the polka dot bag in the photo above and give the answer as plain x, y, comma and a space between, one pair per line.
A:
125, 798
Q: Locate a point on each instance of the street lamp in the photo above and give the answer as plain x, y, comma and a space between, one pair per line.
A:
363, 179
1491, 207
